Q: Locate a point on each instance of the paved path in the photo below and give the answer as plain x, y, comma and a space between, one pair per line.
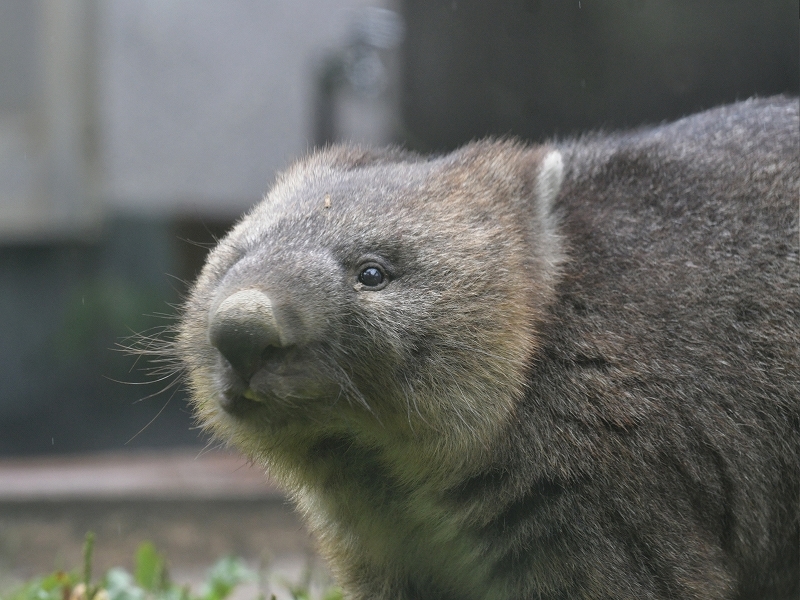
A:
180, 474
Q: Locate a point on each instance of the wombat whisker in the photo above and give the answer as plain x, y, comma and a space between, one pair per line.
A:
211, 445
352, 393
175, 383
330, 367
158, 414
166, 316
150, 344
203, 245
411, 399
149, 382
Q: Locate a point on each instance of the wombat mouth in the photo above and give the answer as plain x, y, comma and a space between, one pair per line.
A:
285, 378
238, 405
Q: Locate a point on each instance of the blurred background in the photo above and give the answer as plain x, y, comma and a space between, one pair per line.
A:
134, 132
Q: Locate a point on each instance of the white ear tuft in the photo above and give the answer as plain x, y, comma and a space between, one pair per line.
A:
551, 174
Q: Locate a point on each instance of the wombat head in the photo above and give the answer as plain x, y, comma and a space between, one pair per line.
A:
378, 294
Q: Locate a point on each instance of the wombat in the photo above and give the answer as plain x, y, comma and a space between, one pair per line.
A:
514, 372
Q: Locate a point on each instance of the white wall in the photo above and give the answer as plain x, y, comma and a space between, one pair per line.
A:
45, 120
203, 101
157, 107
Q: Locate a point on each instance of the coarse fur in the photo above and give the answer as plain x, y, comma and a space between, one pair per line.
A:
569, 371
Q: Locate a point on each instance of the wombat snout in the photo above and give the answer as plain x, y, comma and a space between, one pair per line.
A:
265, 352
245, 331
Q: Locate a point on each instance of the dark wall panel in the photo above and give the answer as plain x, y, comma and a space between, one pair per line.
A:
536, 69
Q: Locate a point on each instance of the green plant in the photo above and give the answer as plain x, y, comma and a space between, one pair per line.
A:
149, 581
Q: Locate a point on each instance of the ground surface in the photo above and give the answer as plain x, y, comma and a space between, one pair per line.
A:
195, 507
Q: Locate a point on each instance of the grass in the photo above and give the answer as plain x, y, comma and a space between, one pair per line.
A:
150, 581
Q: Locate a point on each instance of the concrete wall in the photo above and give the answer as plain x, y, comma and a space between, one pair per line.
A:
155, 106
46, 120
202, 102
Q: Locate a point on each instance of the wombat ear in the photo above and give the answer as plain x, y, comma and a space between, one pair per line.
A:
549, 178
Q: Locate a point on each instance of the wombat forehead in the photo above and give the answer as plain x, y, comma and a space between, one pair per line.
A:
333, 207
381, 188
376, 207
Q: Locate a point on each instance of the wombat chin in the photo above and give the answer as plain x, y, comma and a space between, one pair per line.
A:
524, 372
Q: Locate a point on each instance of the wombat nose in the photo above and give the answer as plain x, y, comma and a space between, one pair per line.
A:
243, 328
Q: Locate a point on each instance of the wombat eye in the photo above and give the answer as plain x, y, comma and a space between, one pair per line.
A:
371, 277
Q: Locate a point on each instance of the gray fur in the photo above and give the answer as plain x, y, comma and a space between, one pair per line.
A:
588, 395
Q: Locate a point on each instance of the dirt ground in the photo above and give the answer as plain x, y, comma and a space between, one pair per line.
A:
220, 508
